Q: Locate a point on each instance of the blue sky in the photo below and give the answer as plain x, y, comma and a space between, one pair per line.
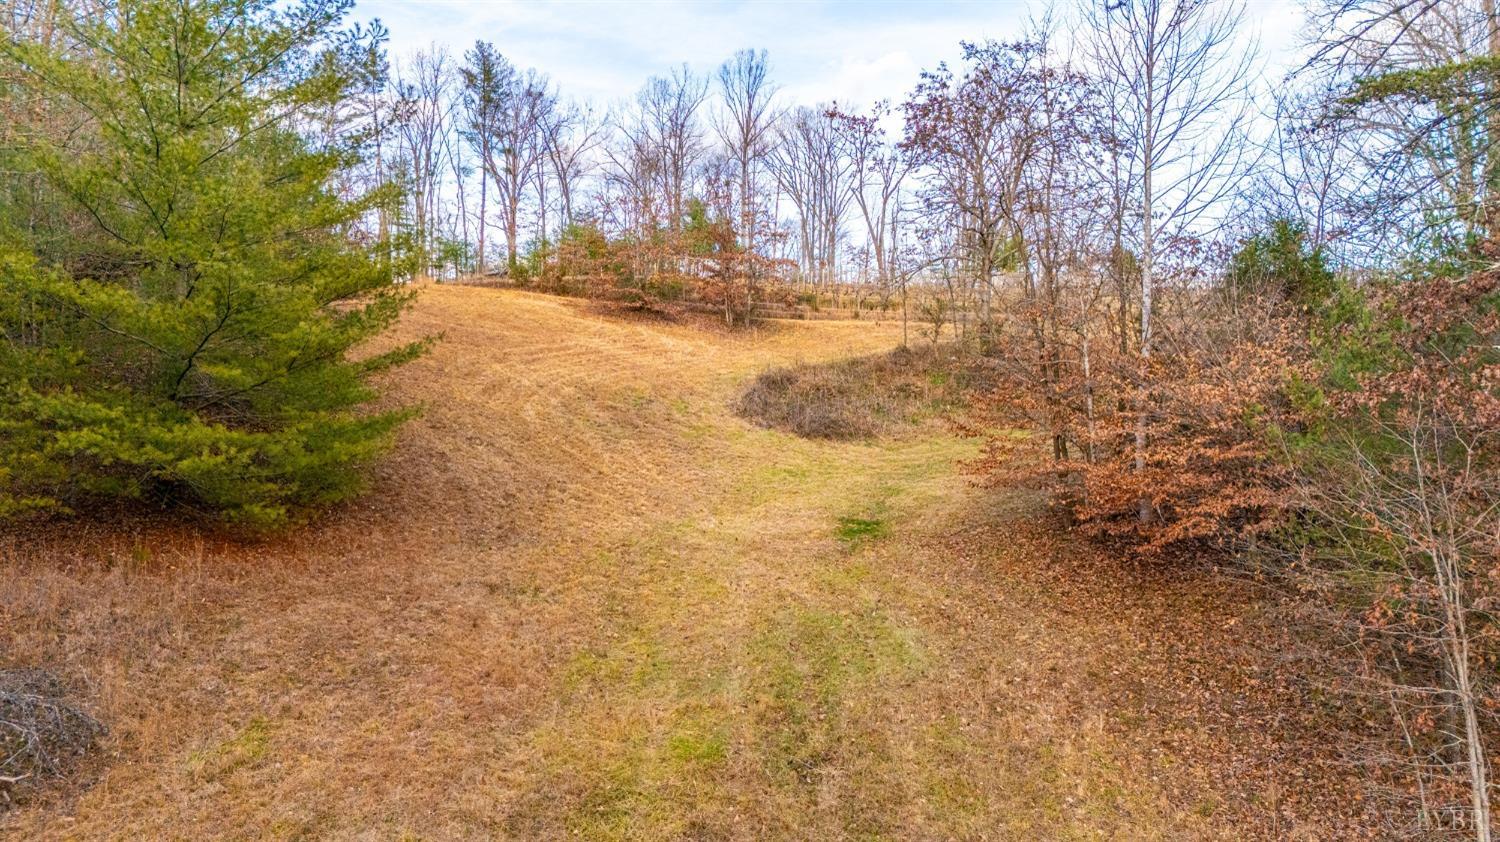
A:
820, 50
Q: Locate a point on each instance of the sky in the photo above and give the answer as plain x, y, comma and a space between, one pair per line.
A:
820, 50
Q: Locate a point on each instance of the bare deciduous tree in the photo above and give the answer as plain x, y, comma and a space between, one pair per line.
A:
424, 109
1412, 86
669, 125
572, 133
1176, 79
745, 126
878, 170
812, 166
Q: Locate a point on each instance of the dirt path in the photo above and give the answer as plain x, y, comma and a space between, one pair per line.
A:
585, 599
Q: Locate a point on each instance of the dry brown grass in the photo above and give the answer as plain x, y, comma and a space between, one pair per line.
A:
584, 598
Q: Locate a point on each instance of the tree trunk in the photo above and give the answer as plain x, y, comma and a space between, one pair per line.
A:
1446, 564
463, 205
1490, 212
512, 211
1148, 279
1088, 397
483, 195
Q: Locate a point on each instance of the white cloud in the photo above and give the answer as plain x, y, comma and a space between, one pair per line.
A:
819, 51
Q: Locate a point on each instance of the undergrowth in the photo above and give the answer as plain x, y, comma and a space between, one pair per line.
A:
864, 397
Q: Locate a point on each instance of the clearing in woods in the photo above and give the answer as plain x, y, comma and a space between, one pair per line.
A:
584, 598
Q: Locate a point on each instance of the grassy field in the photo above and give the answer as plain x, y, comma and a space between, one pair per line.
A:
583, 598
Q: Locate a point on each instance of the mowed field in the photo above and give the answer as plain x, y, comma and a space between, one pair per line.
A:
584, 599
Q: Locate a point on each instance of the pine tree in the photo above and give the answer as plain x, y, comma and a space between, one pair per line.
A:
182, 328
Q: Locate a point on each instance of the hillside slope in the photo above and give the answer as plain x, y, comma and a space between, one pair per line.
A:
583, 597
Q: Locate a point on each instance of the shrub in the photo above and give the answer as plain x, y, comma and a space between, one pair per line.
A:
865, 396
1277, 262
42, 732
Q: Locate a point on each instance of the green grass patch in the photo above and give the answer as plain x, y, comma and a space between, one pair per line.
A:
245, 748
855, 531
697, 747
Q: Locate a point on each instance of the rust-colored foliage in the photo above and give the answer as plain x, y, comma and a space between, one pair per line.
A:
1210, 474
662, 268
